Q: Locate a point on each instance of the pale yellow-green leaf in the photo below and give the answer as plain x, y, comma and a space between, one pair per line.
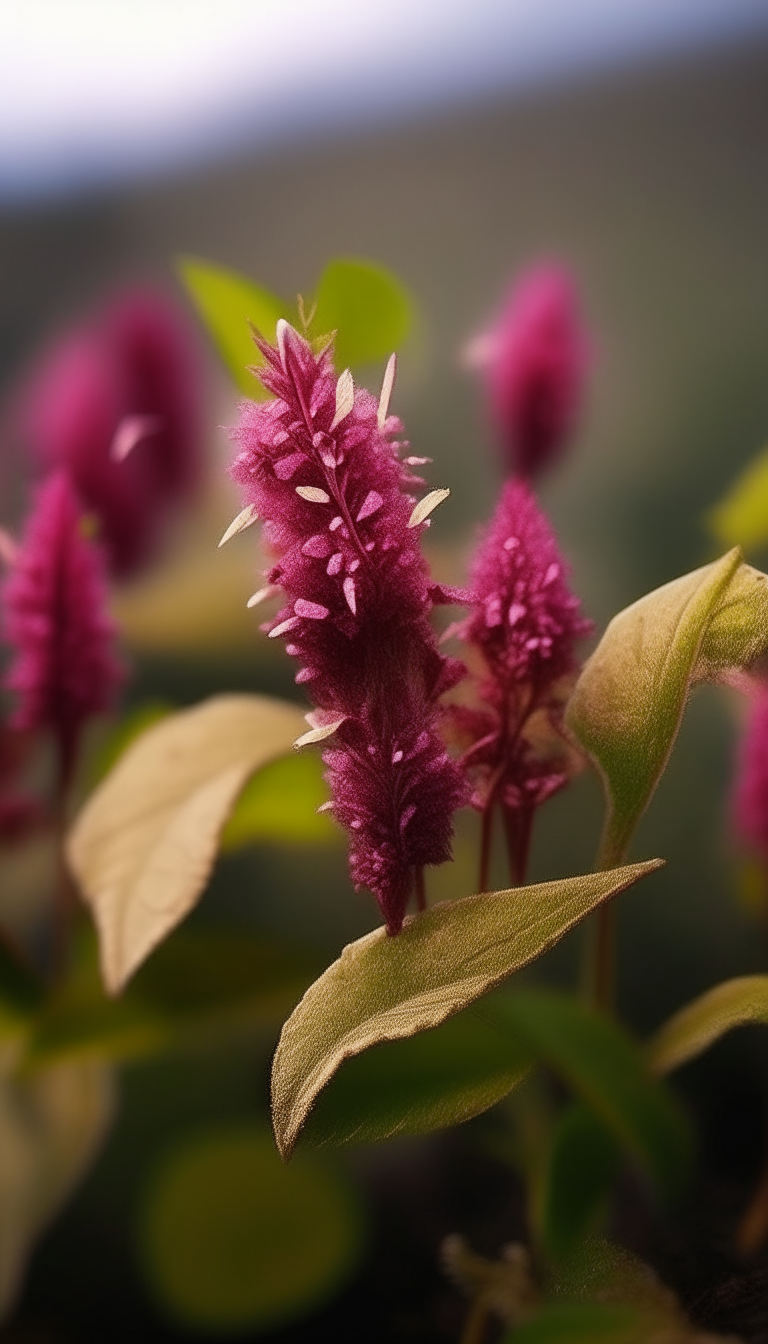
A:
629, 701
387, 989
741, 518
144, 844
230, 305
51, 1125
699, 1024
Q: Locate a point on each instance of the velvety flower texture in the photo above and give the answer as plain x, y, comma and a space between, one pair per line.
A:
319, 466
520, 636
750, 794
116, 403
64, 669
534, 361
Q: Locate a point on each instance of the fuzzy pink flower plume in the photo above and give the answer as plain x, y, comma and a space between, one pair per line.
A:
116, 403
520, 639
750, 793
64, 669
319, 466
534, 362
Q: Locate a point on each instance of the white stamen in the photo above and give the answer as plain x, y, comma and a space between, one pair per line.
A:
282, 329
416, 461
131, 430
263, 595
244, 519
313, 494
284, 626
397, 757
426, 506
349, 593
345, 398
325, 807
319, 734
386, 391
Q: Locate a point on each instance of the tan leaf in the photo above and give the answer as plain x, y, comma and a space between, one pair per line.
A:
145, 842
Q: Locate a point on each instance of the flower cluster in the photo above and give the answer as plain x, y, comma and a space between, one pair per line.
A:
64, 669
520, 638
320, 466
534, 361
115, 403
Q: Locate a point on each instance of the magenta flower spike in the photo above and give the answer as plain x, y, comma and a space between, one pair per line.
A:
534, 361
319, 465
522, 633
64, 669
116, 404
750, 794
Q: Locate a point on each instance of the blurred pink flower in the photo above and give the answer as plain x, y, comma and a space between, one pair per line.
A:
534, 361
63, 668
520, 637
116, 402
318, 464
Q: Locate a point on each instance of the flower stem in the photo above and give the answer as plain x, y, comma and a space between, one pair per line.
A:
486, 836
475, 1324
518, 828
64, 897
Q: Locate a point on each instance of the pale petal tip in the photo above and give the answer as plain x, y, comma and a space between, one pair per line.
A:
244, 519
426, 506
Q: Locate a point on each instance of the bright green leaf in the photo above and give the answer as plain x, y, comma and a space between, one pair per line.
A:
385, 989
438, 1078
144, 844
199, 982
279, 805
693, 1029
741, 518
607, 1071
366, 305
232, 1240
580, 1170
581, 1323
629, 701
229, 304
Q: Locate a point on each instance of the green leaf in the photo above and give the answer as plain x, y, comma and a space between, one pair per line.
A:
51, 1126
735, 1003
608, 1072
279, 805
385, 989
366, 305
741, 518
629, 701
229, 304
581, 1167
581, 1323
231, 1240
144, 844
200, 982
413, 1086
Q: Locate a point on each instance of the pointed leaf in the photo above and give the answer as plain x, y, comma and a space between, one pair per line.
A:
51, 1125
229, 304
741, 518
693, 1029
144, 844
629, 701
366, 305
385, 989
581, 1167
425, 1082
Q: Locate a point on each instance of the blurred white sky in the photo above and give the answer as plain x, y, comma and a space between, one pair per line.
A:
94, 89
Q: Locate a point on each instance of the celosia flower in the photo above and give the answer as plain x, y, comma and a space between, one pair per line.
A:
534, 362
319, 466
750, 794
116, 404
521, 636
64, 669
